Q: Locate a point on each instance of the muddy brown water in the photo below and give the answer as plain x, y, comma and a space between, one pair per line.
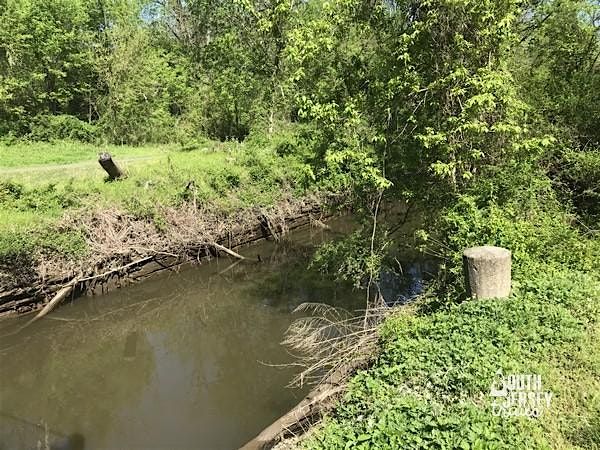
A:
185, 360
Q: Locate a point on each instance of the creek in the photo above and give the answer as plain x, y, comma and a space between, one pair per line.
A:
185, 360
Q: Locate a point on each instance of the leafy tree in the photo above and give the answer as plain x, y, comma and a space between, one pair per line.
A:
144, 91
558, 67
421, 89
237, 50
45, 63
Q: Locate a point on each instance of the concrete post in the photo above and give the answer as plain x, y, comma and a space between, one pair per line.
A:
487, 272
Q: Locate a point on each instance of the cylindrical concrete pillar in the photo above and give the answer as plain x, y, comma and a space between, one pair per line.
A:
487, 272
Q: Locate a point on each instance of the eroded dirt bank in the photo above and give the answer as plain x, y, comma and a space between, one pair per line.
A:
125, 249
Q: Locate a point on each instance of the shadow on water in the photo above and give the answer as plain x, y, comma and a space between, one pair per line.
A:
75, 441
294, 284
178, 361
407, 281
25, 433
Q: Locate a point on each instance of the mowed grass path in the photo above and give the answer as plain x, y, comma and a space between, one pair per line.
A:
39, 163
41, 154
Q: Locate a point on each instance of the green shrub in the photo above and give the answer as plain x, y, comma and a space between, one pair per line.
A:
19, 249
351, 259
46, 198
15, 249
412, 421
146, 210
530, 222
532, 236
225, 179
58, 127
429, 386
579, 176
10, 191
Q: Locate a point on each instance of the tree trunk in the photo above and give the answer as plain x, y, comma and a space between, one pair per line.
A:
109, 165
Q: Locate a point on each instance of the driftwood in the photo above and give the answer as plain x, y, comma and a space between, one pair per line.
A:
310, 407
228, 251
111, 168
313, 405
70, 286
59, 297
118, 269
269, 226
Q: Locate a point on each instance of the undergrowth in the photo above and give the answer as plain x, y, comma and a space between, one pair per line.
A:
429, 386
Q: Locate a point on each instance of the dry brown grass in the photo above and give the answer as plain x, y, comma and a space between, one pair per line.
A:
331, 343
115, 237
119, 243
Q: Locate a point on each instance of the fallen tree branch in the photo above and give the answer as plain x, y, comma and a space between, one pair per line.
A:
336, 343
308, 408
118, 269
228, 251
312, 406
114, 234
60, 295
270, 227
68, 288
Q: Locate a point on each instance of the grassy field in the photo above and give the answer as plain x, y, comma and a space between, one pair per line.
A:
26, 154
39, 183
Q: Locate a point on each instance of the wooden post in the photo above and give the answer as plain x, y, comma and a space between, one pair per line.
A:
110, 166
487, 272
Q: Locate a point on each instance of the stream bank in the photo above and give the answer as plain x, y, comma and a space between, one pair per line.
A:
200, 341
127, 250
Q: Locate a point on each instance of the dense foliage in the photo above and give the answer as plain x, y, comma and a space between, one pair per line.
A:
129, 71
414, 92
483, 115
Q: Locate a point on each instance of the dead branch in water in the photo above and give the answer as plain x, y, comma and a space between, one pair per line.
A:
118, 269
60, 295
229, 267
228, 251
267, 222
332, 343
308, 408
71, 285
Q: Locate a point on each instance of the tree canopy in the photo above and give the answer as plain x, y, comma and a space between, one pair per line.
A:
398, 95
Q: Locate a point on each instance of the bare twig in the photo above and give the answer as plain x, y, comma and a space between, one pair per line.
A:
118, 269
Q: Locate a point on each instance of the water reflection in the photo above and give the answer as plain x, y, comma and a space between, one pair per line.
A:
175, 362
73, 442
407, 281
